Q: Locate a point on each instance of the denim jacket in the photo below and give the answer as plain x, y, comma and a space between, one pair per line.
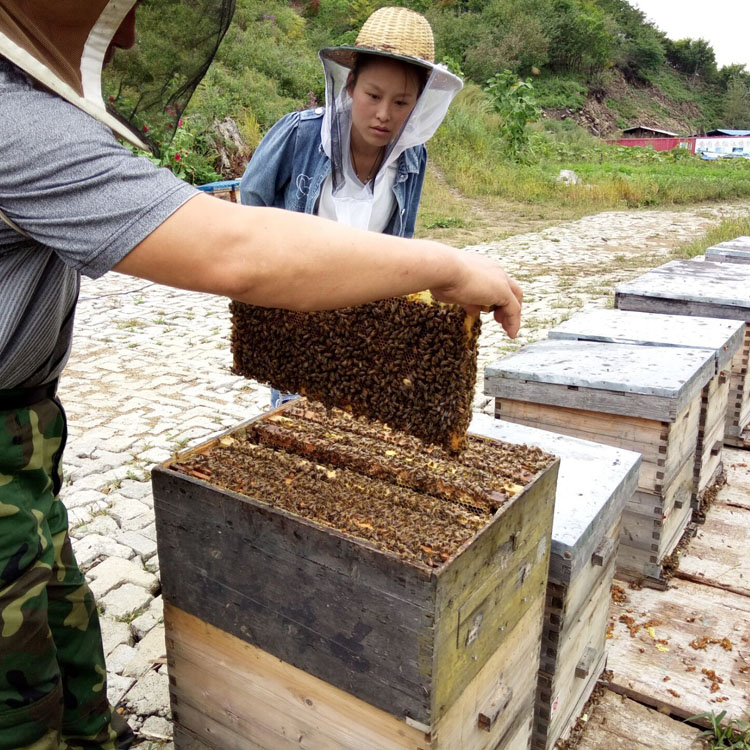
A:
289, 167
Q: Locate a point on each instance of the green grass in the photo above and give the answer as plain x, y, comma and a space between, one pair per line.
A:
727, 230
443, 222
724, 735
612, 176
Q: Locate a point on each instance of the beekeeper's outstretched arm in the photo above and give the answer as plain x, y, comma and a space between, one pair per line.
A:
223, 248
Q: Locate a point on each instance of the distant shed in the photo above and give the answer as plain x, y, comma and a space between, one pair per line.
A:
655, 138
728, 133
646, 131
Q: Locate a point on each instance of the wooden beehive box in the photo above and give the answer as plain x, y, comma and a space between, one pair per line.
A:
641, 398
732, 251
594, 484
653, 329
705, 289
284, 632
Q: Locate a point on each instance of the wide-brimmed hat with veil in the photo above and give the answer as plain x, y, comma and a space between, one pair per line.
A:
399, 34
62, 45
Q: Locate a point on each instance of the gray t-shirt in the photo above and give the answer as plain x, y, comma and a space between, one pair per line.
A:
85, 201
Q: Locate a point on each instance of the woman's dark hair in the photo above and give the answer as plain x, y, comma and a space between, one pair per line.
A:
364, 60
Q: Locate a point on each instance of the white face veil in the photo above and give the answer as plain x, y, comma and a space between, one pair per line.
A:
353, 202
62, 44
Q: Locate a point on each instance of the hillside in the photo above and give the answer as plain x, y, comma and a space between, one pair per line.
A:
670, 102
593, 67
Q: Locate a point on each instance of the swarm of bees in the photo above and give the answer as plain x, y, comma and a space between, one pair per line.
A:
410, 362
367, 480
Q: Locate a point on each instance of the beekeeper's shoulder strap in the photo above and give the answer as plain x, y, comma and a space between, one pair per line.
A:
13, 225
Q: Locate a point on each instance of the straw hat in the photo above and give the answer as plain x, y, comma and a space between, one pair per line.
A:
399, 33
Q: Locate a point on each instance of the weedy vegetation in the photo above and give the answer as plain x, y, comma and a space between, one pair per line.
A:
723, 734
471, 151
727, 230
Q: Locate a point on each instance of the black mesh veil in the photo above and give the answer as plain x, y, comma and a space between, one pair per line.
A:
148, 87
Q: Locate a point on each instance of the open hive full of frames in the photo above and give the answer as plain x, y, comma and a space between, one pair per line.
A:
367, 480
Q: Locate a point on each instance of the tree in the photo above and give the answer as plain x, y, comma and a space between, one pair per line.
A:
737, 104
643, 53
502, 36
693, 56
730, 71
515, 102
519, 45
578, 39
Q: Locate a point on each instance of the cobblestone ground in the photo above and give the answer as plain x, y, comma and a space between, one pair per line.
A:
150, 374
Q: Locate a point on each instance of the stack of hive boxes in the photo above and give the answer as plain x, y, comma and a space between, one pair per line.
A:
642, 398
724, 337
283, 631
594, 484
704, 289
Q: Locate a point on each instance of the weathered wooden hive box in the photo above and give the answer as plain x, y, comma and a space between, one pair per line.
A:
332, 584
594, 484
705, 289
732, 251
652, 329
641, 398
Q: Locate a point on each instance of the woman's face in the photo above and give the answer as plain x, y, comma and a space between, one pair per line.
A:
382, 98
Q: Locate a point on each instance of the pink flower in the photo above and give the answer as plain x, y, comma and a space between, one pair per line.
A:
179, 124
145, 129
111, 98
177, 157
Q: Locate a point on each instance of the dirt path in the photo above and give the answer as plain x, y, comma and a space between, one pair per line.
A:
449, 216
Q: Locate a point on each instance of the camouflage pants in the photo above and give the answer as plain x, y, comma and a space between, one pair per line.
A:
53, 682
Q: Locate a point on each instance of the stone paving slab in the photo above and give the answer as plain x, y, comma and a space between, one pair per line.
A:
150, 375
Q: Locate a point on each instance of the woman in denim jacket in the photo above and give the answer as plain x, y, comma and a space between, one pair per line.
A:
361, 160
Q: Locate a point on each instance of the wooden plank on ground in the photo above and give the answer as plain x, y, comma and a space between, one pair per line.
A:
736, 498
618, 722
717, 555
653, 661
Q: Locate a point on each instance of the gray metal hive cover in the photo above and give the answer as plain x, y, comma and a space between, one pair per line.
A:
594, 483
655, 329
666, 371
718, 283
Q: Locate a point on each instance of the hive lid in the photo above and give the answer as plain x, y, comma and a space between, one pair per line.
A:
704, 282
655, 329
737, 250
740, 243
590, 372
594, 483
